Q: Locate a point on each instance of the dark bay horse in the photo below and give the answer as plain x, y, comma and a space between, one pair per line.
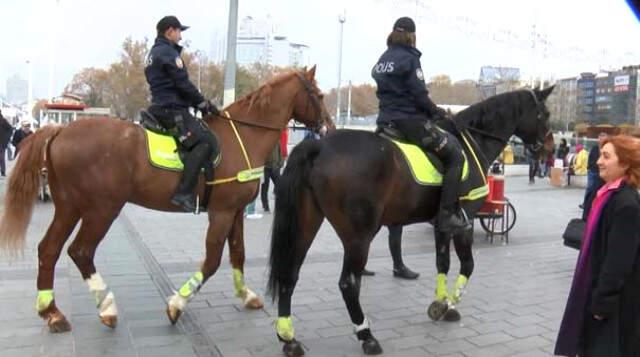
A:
360, 181
94, 167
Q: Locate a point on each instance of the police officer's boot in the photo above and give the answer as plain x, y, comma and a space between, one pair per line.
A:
184, 195
450, 217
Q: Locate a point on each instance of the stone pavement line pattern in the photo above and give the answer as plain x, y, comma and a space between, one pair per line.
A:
188, 324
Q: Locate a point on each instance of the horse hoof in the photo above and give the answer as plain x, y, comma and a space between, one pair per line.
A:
293, 348
254, 304
437, 309
59, 325
371, 347
109, 321
173, 314
452, 315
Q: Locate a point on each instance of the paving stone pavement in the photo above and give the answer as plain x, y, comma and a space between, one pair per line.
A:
514, 302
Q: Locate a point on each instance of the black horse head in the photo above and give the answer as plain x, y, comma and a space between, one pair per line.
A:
533, 128
522, 113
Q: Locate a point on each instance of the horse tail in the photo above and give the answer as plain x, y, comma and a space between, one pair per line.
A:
286, 226
22, 190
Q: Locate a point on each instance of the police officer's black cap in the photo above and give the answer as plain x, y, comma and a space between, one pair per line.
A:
404, 24
169, 22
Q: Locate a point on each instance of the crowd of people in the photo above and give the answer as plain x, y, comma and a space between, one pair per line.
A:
579, 162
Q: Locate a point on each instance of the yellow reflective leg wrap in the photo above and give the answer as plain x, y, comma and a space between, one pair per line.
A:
192, 285
441, 287
458, 288
45, 297
238, 282
284, 328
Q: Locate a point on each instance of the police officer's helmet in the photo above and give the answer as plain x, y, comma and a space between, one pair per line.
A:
404, 24
169, 22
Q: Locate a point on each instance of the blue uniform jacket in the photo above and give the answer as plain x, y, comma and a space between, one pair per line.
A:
402, 93
168, 78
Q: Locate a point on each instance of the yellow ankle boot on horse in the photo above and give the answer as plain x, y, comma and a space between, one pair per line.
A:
459, 289
249, 298
179, 300
441, 288
284, 328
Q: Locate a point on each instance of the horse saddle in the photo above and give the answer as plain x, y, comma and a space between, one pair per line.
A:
163, 149
425, 166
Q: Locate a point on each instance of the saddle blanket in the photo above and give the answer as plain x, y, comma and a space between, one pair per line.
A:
163, 154
422, 168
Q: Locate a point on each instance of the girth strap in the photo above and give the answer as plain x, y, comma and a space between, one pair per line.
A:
483, 190
242, 148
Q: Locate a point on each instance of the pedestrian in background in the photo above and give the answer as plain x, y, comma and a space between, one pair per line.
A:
581, 161
563, 151
5, 136
21, 134
593, 176
271, 173
602, 315
534, 165
548, 161
395, 247
577, 164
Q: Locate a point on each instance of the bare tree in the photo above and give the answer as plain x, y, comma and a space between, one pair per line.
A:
363, 100
91, 84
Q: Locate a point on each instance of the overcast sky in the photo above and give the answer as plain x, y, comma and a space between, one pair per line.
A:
456, 37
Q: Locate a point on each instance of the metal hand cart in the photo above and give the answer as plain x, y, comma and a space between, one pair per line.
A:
497, 216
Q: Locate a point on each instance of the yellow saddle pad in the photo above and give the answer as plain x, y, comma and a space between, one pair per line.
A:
163, 152
422, 169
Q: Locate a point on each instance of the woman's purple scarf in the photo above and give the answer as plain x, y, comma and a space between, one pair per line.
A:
568, 340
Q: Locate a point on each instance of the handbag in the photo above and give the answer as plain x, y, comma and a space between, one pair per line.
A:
574, 232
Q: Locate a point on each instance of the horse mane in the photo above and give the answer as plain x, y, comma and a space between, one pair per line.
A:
262, 96
481, 115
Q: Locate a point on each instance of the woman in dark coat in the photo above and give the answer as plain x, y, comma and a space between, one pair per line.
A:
602, 316
563, 151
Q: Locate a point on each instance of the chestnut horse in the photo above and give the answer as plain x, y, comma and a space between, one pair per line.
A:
75, 157
360, 181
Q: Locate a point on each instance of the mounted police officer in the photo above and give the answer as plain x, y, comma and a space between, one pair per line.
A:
405, 106
171, 96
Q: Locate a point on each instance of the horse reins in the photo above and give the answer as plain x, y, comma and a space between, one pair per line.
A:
313, 100
499, 139
228, 117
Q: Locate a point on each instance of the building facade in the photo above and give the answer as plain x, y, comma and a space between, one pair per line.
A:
586, 97
258, 42
610, 98
562, 103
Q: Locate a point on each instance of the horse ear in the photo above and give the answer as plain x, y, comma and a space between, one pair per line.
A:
312, 71
543, 94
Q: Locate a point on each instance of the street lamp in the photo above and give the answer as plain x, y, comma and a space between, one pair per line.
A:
341, 19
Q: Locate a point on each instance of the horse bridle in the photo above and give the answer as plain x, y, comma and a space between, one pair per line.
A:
313, 99
539, 116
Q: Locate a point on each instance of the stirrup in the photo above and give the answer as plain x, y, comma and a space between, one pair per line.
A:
456, 222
